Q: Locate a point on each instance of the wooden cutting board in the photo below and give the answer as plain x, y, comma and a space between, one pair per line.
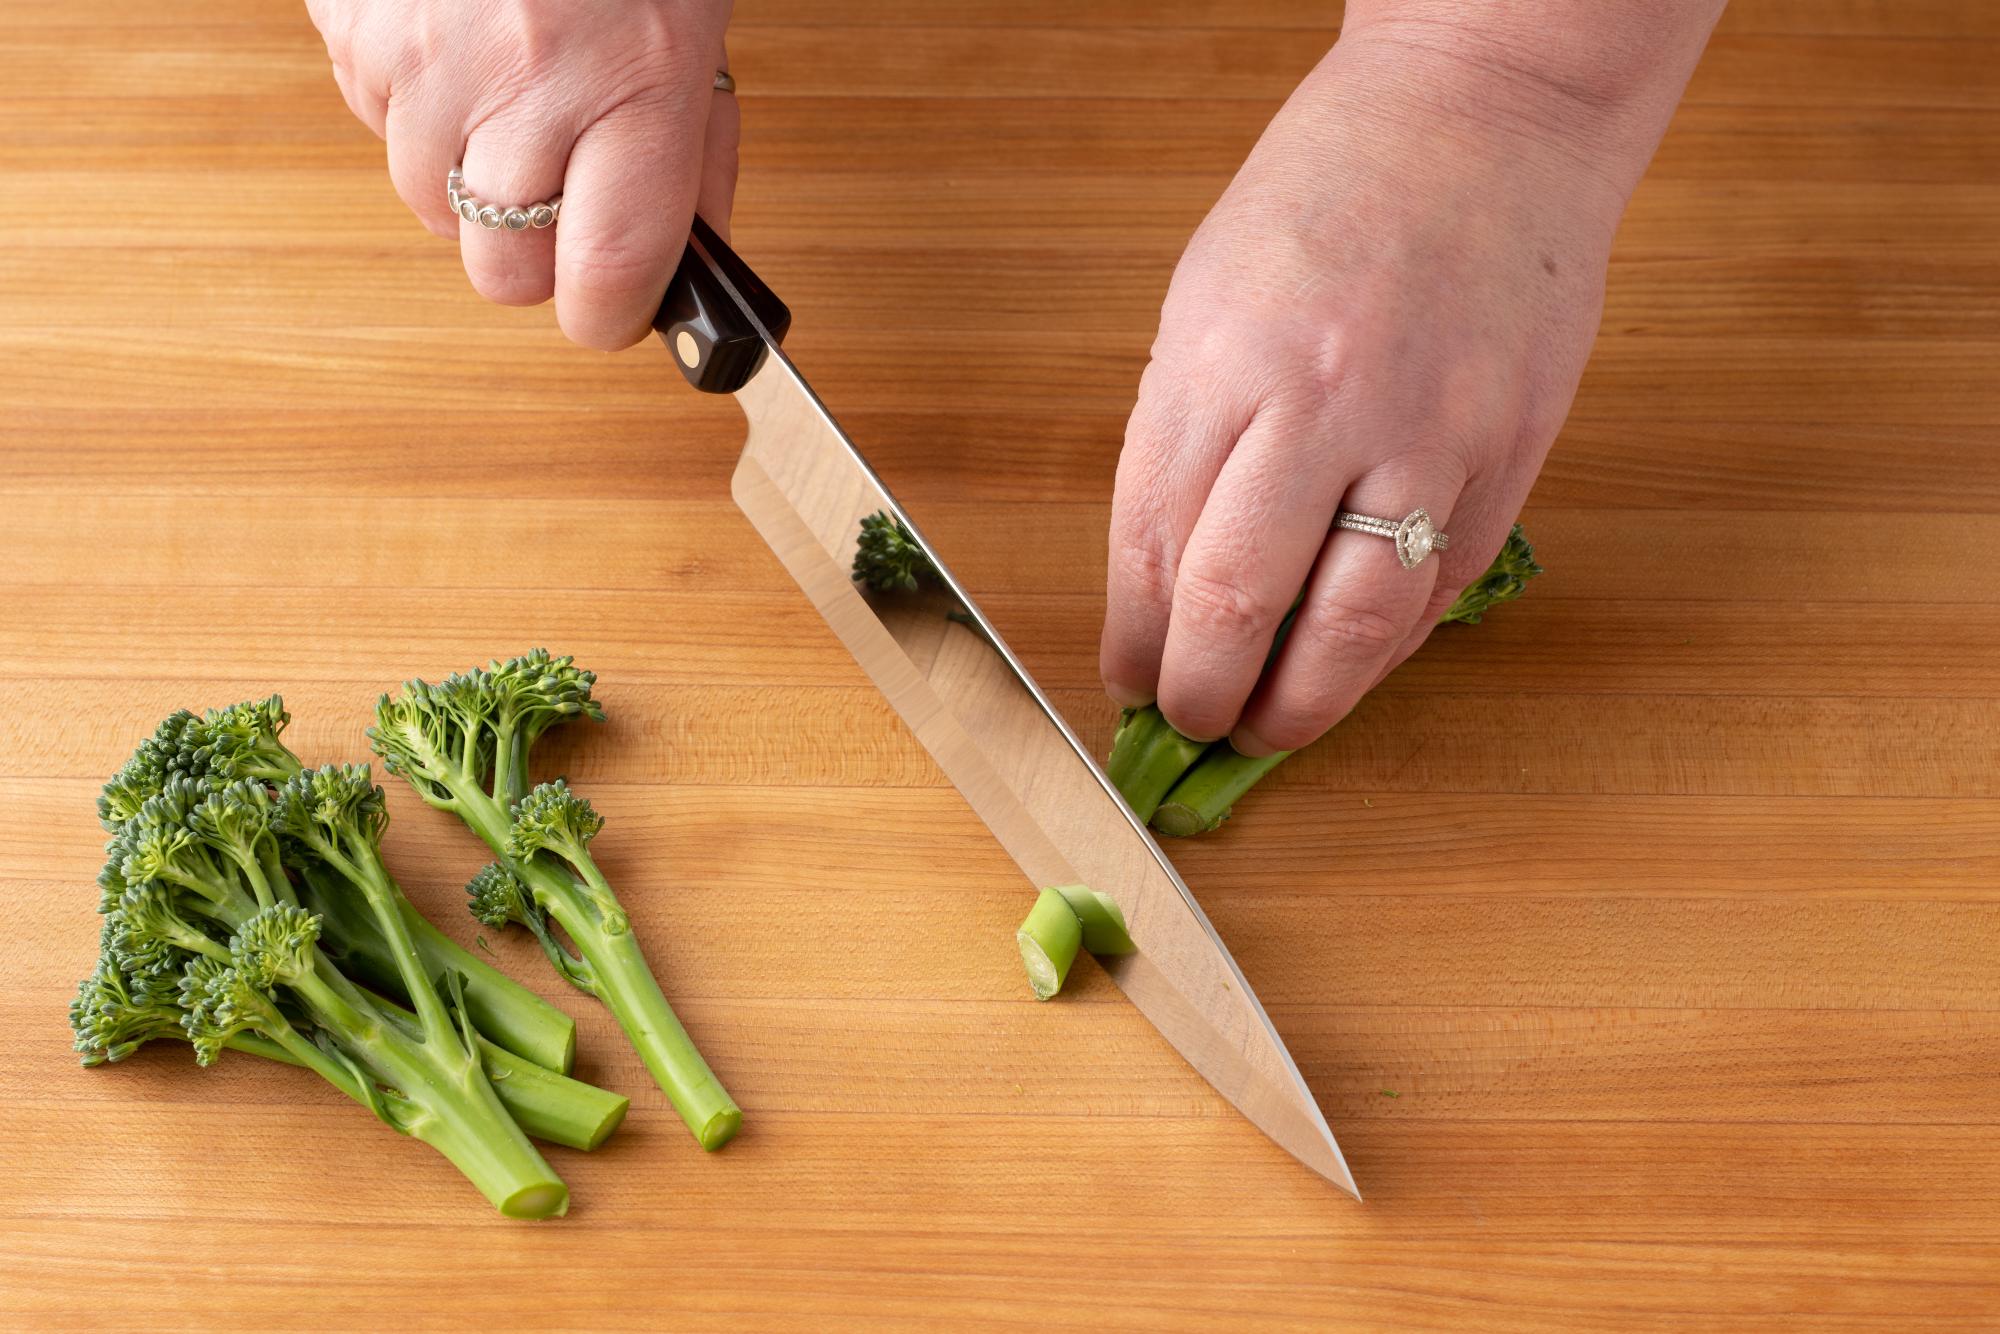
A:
1691, 1017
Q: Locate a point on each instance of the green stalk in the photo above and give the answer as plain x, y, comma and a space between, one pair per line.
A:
546, 1105
437, 1092
1148, 757
626, 985
1201, 801
1102, 920
549, 1106
1049, 941
503, 1010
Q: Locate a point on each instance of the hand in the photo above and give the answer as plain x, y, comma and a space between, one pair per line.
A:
1388, 309
610, 104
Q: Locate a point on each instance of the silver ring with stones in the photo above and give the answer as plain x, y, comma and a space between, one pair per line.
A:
1415, 536
493, 217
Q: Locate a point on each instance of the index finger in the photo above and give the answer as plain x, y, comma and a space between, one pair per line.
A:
628, 198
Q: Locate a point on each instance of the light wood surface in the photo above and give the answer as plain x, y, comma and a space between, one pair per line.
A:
1690, 1019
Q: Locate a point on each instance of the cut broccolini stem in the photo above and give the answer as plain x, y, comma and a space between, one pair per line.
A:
1049, 940
1148, 757
1064, 919
1102, 920
1202, 799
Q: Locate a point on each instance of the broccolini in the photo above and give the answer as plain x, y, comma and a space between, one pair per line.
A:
204, 932
463, 744
243, 742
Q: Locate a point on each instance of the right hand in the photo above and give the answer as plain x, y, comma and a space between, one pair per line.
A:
611, 104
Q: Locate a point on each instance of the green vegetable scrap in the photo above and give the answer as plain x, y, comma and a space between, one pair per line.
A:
1183, 787
1067, 918
463, 745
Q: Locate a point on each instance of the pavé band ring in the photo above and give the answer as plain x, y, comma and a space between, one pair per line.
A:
1415, 536
520, 217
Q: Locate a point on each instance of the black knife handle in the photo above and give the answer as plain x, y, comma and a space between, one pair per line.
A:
714, 343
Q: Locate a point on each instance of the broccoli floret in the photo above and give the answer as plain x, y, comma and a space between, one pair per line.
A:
1505, 579
888, 558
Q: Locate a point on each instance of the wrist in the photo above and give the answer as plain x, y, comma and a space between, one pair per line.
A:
1588, 85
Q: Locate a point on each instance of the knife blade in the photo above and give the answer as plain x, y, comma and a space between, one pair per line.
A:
805, 487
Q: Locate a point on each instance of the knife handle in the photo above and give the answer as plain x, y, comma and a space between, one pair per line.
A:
715, 342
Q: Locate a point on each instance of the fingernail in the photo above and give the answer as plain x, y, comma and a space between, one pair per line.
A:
1250, 745
1125, 698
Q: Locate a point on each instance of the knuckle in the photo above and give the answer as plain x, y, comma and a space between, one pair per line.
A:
1141, 571
1298, 724
1222, 608
1345, 630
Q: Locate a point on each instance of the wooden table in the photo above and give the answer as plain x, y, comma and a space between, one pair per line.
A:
1692, 1018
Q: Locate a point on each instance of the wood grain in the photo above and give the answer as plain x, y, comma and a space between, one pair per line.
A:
1690, 1020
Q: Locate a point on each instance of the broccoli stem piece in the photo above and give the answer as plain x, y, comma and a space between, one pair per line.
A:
504, 1011
1148, 757
462, 744
1202, 799
1102, 920
1049, 940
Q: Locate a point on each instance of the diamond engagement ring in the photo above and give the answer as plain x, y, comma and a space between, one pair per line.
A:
1415, 536
520, 217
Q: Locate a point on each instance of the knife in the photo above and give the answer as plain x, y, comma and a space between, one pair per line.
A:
805, 488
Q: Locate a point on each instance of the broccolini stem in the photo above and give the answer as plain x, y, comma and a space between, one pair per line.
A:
550, 1106
1148, 757
629, 990
366, 873
442, 1097
545, 1104
288, 1045
1202, 799
1049, 940
503, 1010
274, 871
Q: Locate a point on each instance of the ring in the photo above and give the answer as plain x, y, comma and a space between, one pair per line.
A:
514, 217
1415, 536
520, 217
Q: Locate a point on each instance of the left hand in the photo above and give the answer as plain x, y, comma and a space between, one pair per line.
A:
1388, 309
